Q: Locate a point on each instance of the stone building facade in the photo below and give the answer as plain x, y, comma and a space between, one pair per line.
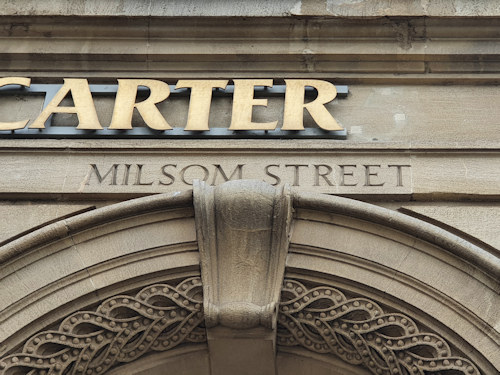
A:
138, 249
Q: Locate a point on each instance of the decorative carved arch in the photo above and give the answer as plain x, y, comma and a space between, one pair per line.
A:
366, 290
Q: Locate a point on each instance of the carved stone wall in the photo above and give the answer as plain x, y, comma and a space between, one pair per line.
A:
402, 278
322, 319
342, 298
160, 317
120, 330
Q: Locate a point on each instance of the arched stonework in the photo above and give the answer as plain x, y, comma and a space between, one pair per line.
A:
366, 290
161, 317
322, 319
121, 329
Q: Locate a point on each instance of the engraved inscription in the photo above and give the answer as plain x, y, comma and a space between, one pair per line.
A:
182, 175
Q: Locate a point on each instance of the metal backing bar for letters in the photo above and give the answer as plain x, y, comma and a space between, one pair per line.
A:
178, 133
50, 90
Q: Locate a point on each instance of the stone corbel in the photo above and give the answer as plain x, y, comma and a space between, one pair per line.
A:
243, 235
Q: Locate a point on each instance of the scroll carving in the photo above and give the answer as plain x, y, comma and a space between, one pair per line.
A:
243, 231
323, 320
120, 330
243, 236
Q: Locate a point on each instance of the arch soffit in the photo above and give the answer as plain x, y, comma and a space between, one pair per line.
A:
305, 264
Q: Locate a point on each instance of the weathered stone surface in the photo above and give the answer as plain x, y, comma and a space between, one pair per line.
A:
243, 231
63, 260
423, 78
351, 269
182, 361
241, 8
418, 174
412, 115
478, 220
376, 50
19, 218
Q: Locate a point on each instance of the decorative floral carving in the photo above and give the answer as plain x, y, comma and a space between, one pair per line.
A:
120, 330
160, 317
322, 319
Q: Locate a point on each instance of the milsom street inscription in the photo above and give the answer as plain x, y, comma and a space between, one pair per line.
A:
348, 177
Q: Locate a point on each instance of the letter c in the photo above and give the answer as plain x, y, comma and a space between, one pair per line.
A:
14, 81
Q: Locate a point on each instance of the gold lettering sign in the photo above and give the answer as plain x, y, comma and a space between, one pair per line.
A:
294, 104
84, 105
243, 102
199, 104
125, 104
14, 81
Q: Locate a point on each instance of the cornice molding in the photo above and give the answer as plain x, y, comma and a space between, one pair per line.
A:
406, 49
242, 8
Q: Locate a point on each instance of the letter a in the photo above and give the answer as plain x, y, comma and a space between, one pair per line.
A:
84, 105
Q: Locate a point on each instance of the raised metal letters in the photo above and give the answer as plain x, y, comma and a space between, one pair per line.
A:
199, 104
14, 81
84, 105
294, 104
125, 104
199, 107
243, 102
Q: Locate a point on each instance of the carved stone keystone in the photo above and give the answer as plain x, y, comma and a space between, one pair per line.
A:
243, 231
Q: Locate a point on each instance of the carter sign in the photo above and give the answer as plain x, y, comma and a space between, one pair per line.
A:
199, 104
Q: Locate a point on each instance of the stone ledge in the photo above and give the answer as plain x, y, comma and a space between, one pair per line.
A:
255, 8
382, 48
